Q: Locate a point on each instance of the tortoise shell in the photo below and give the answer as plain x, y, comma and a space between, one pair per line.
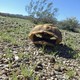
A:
46, 34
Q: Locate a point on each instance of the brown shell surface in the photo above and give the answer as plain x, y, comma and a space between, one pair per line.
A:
46, 31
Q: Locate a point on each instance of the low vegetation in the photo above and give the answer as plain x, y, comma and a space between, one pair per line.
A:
19, 54
70, 24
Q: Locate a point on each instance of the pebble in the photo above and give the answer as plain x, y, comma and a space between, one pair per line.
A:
16, 57
39, 67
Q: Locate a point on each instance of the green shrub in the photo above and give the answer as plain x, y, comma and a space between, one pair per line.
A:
70, 24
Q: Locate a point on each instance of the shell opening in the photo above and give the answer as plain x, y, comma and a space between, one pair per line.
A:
44, 37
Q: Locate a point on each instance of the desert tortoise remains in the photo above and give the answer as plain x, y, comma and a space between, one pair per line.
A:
46, 34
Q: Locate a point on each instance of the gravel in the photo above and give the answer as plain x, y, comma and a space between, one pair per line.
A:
46, 66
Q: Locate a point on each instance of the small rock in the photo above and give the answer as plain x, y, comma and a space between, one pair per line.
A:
63, 69
14, 52
52, 60
39, 67
16, 65
56, 67
20, 77
16, 57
